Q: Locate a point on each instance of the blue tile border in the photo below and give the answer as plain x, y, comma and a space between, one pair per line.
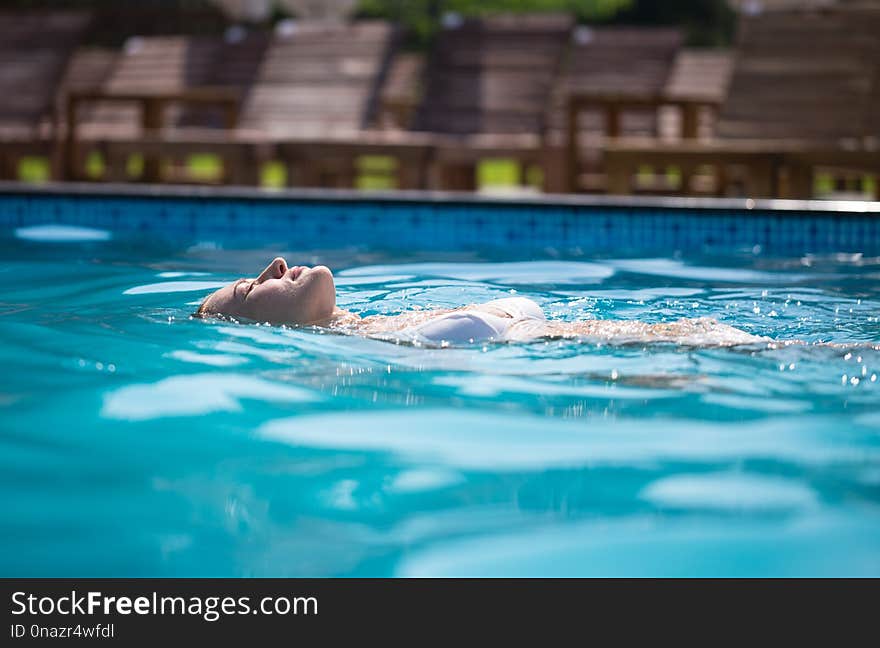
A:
448, 222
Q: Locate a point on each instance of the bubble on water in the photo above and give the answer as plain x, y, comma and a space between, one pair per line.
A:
843, 379
853, 381
864, 370
791, 367
873, 377
763, 293
773, 313
782, 367
756, 309
111, 368
614, 374
847, 356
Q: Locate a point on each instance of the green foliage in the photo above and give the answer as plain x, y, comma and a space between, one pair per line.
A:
376, 172
33, 169
205, 167
706, 22
422, 18
498, 172
273, 175
95, 166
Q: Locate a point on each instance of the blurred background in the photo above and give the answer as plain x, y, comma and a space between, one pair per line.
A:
757, 98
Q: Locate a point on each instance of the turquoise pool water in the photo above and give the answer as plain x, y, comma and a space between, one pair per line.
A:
136, 441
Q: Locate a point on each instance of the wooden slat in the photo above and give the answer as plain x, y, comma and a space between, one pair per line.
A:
493, 75
804, 74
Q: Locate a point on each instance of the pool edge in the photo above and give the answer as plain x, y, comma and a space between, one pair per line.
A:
443, 197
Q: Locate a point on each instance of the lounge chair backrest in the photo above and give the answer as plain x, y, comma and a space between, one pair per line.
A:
633, 62
318, 78
493, 75
805, 75
34, 51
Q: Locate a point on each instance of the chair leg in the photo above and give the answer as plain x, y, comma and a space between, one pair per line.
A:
800, 182
244, 167
411, 174
553, 164
618, 174
458, 177
116, 165
6, 166
762, 179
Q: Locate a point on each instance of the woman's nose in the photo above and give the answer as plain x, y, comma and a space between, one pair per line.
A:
274, 270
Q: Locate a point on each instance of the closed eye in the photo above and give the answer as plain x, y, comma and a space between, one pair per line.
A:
238, 283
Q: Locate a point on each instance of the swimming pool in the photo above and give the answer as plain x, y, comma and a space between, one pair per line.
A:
139, 442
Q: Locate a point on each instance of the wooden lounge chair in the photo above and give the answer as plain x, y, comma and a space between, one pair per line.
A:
318, 96
803, 97
401, 92
610, 85
159, 88
486, 91
34, 50
301, 93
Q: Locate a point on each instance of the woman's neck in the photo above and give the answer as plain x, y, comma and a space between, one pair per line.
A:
339, 319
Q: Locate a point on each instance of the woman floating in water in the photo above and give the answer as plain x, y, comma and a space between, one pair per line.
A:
307, 296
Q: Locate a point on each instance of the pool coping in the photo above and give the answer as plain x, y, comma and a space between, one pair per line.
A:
441, 197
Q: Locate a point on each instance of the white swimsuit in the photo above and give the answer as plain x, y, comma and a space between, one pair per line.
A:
492, 321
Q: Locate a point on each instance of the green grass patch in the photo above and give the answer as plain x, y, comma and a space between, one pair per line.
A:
498, 172
95, 166
376, 173
673, 176
273, 175
644, 175
375, 182
34, 169
823, 184
535, 176
205, 167
376, 164
134, 166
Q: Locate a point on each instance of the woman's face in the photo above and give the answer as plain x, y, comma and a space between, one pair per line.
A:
280, 295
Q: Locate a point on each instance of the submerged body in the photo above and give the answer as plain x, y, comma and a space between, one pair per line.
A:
517, 319
307, 296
